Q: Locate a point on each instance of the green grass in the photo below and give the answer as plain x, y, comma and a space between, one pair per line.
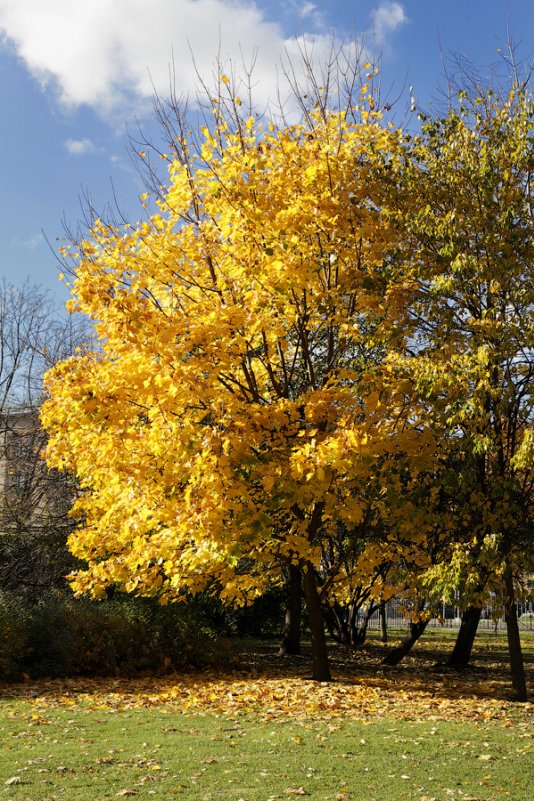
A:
409, 734
83, 754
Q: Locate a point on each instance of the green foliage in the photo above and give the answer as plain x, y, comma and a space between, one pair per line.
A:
262, 618
14, 631
66, 636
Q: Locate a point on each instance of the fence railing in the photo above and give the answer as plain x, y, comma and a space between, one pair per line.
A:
450, 618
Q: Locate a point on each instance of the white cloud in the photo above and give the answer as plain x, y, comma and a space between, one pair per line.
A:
387, 18
79, 147
306, 9
31, 243
307, 13
111, 54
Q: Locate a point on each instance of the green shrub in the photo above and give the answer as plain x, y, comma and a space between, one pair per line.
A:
263, 618
14, 636
65, 636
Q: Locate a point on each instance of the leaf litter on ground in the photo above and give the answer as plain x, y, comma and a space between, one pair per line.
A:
280, 687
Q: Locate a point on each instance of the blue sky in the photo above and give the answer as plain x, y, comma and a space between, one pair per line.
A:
75, 75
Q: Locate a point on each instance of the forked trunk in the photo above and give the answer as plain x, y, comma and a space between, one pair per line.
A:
321, 667
461, 653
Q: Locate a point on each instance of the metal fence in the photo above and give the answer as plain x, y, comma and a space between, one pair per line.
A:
449, 617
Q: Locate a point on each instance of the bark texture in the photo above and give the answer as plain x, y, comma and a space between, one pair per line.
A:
395, 655
291, 633
517, 666
383, 622
321, 667
461, 653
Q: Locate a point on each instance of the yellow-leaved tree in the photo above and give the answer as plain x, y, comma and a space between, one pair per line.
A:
224, 426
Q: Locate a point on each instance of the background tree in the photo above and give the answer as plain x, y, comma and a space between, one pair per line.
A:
34, 500
467, 243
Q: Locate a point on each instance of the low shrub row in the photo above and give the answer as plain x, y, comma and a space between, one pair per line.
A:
64, 636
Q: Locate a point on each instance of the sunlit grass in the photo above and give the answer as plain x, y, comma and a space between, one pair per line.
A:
264, 732
87, 755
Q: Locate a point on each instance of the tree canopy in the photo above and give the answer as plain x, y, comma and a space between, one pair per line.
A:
319, 322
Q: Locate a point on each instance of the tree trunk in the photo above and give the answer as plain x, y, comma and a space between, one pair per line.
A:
383, 622
291, 634
334, 616
321, 668
461, 653
517, 666
394, 656
358, 629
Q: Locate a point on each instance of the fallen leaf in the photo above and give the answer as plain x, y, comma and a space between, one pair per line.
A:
295, 791
276, 697
13, 780
149, 777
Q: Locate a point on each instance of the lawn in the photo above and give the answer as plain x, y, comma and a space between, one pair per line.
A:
264, 732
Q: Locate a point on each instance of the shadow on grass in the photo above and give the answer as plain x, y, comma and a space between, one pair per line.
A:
423, 670
256, 679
